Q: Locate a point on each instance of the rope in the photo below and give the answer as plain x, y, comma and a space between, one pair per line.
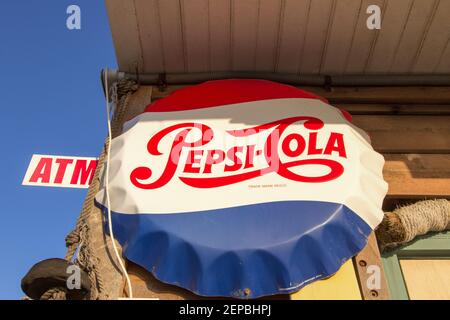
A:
58, 293
423, 217
406, 223
79, 237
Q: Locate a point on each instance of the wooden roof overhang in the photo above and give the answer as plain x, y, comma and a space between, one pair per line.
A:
293, 37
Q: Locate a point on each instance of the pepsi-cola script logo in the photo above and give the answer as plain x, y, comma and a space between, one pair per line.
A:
237, 162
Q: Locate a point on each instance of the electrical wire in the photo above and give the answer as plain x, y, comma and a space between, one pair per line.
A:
111, 234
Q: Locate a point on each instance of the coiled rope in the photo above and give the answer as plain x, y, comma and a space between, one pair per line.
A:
58, 293
79, 239
406, 223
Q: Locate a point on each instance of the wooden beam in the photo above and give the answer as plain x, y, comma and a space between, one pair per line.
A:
122, 16
407, 134
370, 272
394, 95
363, 95
138, 101
395, 109
145, 285
417, 176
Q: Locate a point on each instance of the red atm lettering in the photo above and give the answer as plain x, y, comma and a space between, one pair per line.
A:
43, 171
82, 172
62, 166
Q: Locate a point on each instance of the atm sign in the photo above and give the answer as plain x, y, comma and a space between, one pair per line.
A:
60, 171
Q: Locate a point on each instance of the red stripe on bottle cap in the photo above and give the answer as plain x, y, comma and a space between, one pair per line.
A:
225, 92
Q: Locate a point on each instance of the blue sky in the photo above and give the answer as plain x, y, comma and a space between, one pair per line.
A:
51, 103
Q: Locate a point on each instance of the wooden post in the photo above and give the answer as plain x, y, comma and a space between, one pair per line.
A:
370, 272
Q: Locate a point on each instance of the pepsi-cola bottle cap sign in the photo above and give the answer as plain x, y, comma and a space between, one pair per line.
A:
243, 188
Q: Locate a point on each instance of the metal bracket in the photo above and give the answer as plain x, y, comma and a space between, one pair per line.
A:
162, 82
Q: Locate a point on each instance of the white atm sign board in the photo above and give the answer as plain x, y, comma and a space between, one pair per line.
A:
60, 171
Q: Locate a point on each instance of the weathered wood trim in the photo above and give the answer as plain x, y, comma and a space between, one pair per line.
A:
417, 176
394, 277
362, 95
434, 245
138, 101
395, 95
406, 134
145, 285
364, 263
395, 109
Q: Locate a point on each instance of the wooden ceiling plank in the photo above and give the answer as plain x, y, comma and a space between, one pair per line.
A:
244, 32
362, 40
267, 34
289, 36
435, 42
125, 32
444, 64
341, 34
292, 35
394, 21
412, 35
220, 35
150, 35
172, 37
196, 34
320, 13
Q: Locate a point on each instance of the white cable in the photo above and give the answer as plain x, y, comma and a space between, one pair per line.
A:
111, 234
